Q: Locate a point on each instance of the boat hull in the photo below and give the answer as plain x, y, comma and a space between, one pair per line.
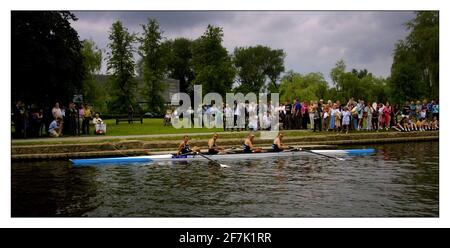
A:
219, 157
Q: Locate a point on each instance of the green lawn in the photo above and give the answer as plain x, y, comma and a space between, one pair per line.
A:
150, 126
155, 126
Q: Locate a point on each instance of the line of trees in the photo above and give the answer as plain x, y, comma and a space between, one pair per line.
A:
203, 61
414, 72
50, 63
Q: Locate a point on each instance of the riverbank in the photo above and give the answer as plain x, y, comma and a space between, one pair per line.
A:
77, 147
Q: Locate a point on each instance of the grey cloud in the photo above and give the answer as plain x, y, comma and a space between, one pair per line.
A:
312, 40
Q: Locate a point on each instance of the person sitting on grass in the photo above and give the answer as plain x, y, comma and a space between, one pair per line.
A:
248, 144
401, 125
184, 148
435, 123
426, 124
412, 124
100, 127
277, 145
212, 146
422, 124
56, 127
167, 117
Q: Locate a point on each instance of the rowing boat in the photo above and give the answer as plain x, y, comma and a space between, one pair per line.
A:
232, 156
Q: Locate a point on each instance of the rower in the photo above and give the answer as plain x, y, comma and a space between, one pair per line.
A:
277, 145
248, 144
184, 148
212, 146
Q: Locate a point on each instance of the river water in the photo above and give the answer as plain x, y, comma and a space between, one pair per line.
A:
400, 180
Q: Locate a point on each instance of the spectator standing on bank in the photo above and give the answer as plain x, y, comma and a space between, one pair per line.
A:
18, 118
430, 109
297, 114
288, 116
87, 117
305, 115
346, 119
374, 110
130, 114
360, 111
435, 110
311, 114
72, 119
387, 115
326, 115
80, 119
369, 111
56, 111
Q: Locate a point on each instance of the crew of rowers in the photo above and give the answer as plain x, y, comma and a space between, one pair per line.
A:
247, 147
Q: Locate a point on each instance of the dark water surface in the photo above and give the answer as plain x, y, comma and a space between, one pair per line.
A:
400, 180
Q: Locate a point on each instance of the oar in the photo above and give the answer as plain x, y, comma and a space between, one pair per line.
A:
212, 160
320, 154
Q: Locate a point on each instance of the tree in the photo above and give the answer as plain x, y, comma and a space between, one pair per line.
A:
212, 65
121, 65
415, 69
257, 65
46, 57
275, 68
359, 84
361, 73
311, 86
92, 91
154, 64
180, 63
337, 72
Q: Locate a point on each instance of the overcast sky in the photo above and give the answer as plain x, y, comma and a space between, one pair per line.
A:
313, 41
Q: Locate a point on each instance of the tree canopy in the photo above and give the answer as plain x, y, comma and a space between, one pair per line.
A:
154, 54
212, 65
257, 67
415, 69
49, 63
46, 57
93, 92
180, 63
311, 86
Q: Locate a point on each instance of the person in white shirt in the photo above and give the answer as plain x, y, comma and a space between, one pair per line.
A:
228, 117
237, 115
167, 117
253, 122
380, 115
346, 119
56, 111
267, 121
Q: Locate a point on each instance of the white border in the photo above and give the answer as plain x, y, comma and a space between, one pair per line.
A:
5, 181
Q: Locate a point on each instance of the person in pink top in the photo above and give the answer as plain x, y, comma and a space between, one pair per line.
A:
305, 115
387, 115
